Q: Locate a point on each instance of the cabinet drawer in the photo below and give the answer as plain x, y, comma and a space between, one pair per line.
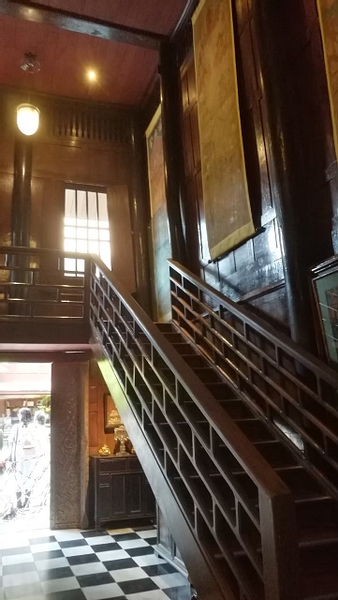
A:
113, 465
134, 465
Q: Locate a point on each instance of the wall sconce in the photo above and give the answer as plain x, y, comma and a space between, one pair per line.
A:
28, 115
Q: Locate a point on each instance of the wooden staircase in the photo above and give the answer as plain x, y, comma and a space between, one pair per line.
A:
316, 508
235, 428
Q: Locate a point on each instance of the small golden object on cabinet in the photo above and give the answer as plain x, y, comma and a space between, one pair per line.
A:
104, 451
121, 435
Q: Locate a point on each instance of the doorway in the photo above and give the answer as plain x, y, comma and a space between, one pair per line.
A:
25, 393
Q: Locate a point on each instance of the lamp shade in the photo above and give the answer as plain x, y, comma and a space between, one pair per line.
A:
27, 118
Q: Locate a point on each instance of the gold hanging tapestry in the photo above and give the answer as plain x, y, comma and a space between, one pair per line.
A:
328, 18
225, 191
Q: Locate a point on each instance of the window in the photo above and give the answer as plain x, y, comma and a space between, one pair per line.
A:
86, 228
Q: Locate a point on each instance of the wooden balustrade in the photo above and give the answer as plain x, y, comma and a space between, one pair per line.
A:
290, 388
246, 527
36, 286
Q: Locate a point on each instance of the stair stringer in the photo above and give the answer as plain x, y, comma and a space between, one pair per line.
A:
203, 574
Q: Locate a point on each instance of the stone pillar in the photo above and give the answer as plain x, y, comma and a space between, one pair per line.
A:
69, 445
172, 148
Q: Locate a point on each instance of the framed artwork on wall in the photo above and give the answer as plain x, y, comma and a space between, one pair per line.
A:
325, 293
112, 418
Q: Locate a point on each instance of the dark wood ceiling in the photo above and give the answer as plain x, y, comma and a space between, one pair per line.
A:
124, 72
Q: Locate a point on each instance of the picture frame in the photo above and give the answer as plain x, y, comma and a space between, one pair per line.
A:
324, 281
110, 420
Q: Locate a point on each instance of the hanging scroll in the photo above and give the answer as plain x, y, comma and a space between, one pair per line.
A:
225, 191
159, 218
328, 18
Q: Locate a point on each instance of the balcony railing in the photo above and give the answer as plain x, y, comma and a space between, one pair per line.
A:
34, 286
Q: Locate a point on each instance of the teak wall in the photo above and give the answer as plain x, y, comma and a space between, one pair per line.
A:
253, 272
63, 155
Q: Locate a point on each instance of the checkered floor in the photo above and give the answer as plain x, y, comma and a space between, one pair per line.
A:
74, 565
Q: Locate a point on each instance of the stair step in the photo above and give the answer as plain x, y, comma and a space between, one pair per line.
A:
193, 360
165, 327
321, 510
173, 337
255, 430
184, 348
207, 374
319, 536
319, 573
280, 469
236, 409
220, 391
275, 453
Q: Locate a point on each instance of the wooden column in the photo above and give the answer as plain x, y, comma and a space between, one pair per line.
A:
139, 216
21, 198
69, 445
272, 25
172, 147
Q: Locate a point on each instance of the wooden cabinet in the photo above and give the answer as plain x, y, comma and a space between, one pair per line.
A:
120, 489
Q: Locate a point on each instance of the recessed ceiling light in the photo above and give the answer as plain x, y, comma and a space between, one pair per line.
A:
91, 75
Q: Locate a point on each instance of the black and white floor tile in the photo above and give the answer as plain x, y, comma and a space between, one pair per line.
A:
88, 565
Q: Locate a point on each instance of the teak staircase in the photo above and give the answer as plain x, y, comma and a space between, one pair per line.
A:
242, 425
235, 426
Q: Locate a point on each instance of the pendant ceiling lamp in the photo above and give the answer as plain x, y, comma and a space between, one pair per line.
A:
28, 115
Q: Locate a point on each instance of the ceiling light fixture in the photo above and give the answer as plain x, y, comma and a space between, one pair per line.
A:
28, 115
91, 75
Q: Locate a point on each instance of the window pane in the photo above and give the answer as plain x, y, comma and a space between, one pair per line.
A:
70, 232
69, 221
82, 233
93, 247
105, 253
80, 265
92, 208
93, 234
81, 212
70, 264
103, 210
104, 235
70, 211
81, 246
70, 246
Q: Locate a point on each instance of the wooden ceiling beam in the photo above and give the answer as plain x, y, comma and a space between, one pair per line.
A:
37, 13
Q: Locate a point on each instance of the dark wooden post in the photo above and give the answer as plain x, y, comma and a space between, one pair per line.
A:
139, 216
21, 218
21, 198
272, 26
172, 147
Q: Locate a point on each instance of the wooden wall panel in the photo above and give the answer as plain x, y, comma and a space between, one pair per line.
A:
97, 389
121, 236
6, 188
58, 160
254, 271
256, 264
